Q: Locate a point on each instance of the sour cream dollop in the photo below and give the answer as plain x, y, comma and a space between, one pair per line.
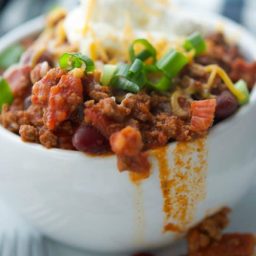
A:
112, 25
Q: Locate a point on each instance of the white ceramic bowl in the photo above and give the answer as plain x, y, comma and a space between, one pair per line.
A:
86, 202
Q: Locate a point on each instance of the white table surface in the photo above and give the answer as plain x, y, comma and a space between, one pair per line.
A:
18, 239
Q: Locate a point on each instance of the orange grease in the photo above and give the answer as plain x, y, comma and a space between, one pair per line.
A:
165, 183
172, 227
182, 182
137, 177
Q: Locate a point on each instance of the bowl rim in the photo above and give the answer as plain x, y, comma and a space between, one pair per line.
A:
35, 25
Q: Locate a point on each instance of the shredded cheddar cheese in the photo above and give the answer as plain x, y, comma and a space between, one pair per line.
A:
190, 55
146, 8
60, 33
77, 72
36, 56
88, 14
93, 51
55, 16
225, 78
211, 78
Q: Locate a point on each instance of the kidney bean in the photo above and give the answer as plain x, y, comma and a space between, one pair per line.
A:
226, 105
88, 139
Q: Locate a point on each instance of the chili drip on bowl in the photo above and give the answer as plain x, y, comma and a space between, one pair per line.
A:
65, 99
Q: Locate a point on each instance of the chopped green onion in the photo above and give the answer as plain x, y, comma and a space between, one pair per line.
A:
10, 56
137, 66
241, 85
151, 68
6, 96
122, 69
163, 84
195, 41
128, 77
172, 63
123, 83
108, 73
70, 61
148, 52
137, 73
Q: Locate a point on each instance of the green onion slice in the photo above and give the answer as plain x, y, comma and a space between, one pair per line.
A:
108, 73
148, 52
124, 76
137, 73
11, 55
195, 41
70, 61
124, 84
122, 69
172, 63
241, 85
6, 96
164, 84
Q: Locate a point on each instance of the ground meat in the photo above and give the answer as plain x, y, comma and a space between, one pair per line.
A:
41, 89
28, 133
165, 127
47, 138
95, 118
18, 77
138, 163
109, 117
35, 114
111, 109
160, 103
230, 245
208, 231
64, 98
244, 70
219, 51
100, 92
169, 124
140, 106
94, 90
12, 120
39, 71
65, 142
154, 138
17, 104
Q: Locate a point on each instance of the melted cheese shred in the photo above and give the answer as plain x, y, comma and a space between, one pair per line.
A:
216, 70
88, 15
146, 8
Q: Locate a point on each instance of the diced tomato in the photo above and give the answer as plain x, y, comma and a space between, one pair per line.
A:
126, 142
202, 115
41, 89
64, 98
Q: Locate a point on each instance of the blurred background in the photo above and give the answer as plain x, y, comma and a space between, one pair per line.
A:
14, 12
